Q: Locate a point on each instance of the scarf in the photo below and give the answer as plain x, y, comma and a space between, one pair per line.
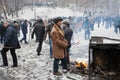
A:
60, 31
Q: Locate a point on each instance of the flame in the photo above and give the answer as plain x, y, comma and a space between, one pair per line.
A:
82, 64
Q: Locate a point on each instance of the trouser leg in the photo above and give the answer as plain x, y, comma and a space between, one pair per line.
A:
55, 65
50, 43
13, 54
64, 65
25, 37
4, 57
39, 47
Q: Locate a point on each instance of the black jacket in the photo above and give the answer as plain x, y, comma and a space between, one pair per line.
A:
68, 35
39, 31
2, 29
24, 28
49, 28
11, 38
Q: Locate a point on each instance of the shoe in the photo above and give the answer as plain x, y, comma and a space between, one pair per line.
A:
26, 42
38, 54
14, 66
64, 70
20, 41
57, 73
3, 65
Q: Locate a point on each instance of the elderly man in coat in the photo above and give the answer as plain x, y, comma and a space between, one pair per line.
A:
10, 43
59, 46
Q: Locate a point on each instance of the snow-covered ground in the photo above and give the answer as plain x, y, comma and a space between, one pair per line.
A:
33, 67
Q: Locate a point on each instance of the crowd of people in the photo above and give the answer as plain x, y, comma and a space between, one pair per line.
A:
88, 23
59, 31
59, 34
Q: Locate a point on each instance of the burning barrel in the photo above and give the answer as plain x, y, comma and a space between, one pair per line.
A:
104, 57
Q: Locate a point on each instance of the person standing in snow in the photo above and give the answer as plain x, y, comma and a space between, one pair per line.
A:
86, 28
49, 28
10, 43
98, 20
24, 31
36, 32
68, 35
59, 45
39, 30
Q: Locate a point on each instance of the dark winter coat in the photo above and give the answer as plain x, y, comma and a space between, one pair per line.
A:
2, 29
49, 28
39, 31
68, 35
11, 38
24, 28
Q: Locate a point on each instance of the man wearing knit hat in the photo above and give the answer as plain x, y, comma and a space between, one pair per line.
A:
59, 46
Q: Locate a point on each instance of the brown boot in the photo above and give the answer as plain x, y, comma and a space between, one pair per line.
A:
57, 73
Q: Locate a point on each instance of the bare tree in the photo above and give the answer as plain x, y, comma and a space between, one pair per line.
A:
3, 7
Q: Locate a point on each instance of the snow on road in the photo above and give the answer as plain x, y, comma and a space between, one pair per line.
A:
31, 66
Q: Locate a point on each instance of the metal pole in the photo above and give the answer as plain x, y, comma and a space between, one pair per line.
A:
89, 54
